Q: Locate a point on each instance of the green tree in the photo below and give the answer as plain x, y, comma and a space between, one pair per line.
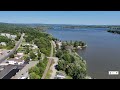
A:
79, 73
32, 55
76, 43
61, 65
27, 50
27, 59
67, 57
33, 75
39, 53
34, 69
70, 69
59, 53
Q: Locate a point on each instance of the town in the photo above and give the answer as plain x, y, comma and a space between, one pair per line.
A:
34, 54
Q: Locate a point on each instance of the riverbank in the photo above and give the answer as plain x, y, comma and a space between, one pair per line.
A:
114, 31
87, 77
69, 61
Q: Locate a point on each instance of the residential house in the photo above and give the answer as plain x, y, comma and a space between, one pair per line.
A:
3, 34
13, 37
19, 55
15, 61
34, 46
59, 44
9, 36
3, 43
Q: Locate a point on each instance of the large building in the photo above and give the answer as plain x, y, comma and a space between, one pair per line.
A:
9, 36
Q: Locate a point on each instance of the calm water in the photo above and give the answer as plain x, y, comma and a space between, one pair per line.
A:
103, 51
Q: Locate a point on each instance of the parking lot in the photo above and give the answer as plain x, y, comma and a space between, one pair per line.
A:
3, 53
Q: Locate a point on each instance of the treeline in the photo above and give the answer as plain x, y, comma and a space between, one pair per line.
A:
71, 64
37, 71
114, 31
69, 61
73, 43
85, 26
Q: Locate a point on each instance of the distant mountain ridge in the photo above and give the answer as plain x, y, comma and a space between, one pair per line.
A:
60, 26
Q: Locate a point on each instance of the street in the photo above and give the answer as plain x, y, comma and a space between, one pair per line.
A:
6, 55
53, 68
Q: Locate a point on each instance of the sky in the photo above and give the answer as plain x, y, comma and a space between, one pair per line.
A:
62, 17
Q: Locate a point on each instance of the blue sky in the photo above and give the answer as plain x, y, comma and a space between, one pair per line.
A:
62, 17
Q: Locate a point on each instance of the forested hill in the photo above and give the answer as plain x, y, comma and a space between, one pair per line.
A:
36, 35
55, 26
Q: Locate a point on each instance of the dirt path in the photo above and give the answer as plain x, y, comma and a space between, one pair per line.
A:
49, 62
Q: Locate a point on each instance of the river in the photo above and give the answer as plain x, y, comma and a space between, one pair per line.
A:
103, 51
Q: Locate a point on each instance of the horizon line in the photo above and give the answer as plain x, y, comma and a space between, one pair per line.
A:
56, 24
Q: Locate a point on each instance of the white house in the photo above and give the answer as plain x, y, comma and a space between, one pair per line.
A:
59, 44
34, 46
3, 34
13, 37
16, 61
19, 55
20, 62
8, 35
3, 43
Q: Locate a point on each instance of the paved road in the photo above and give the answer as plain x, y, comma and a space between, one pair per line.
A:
13, 50
49, 62
53, 67
4, 53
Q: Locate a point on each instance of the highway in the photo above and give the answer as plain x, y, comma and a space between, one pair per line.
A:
13, 50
